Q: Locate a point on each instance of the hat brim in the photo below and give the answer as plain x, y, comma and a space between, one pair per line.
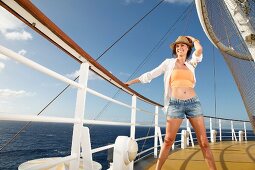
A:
188, 44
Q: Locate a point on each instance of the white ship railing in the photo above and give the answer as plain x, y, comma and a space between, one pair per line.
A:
78, 119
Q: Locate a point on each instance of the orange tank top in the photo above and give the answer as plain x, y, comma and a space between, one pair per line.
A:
182, 78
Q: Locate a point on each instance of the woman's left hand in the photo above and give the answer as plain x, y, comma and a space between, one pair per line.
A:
191, 38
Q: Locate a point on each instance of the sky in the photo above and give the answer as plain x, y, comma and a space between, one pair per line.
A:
94, 25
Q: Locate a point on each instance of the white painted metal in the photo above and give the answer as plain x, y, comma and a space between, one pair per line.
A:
187, 128
245, 132
45, 163
190, 137
220, 129
155, 132
88, 163
133, 117
144, 151
144, 111
124, 147
101, 122
242, 23
213, 136
233, 131
240, 135
102, 148
107, 98
33, 21
146, 137
184, 137
11, 54
160, 136
79, 114
33, 118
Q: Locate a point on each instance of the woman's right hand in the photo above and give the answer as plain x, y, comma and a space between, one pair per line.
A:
128, 83
132, 82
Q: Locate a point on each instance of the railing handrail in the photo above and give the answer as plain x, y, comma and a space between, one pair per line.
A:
51, 32
29, 14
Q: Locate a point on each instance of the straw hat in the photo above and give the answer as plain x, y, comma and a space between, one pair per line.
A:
182, 39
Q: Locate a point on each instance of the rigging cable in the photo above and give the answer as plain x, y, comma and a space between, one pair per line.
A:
28, 124
158, 45
154, 49
129, 29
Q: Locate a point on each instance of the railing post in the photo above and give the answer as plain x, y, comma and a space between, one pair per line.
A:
79, 115
232, 130
187, 128
245, 133
220, 129
189, 133
210, 129
156, 132
133, 117
133, 122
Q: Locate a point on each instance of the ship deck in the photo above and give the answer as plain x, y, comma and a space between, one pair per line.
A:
228, 155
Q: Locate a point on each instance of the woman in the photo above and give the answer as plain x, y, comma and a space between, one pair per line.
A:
180, 97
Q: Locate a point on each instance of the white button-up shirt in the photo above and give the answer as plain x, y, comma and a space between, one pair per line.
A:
167, 67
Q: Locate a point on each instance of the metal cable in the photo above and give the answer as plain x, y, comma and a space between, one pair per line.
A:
130, 29
28, 124
148, 56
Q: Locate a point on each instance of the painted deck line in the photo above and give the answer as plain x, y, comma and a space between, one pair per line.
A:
228, 155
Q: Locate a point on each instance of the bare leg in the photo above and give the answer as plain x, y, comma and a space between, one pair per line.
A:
172, 126
199, 127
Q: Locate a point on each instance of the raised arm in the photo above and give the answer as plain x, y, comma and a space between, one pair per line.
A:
198, 48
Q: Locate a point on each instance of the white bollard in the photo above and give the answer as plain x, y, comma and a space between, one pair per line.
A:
124, 153
184, 137
213, 136
241, 134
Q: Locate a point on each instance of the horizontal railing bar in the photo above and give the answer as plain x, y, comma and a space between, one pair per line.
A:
143, 138
52, 163
9, 53
35, 118
144, 111
101, 122
107, 98
102, 148
235, 120
145, 151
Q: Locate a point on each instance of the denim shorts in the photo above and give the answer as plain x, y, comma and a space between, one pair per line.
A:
189, 107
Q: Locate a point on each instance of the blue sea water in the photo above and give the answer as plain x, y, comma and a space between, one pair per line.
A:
42, 140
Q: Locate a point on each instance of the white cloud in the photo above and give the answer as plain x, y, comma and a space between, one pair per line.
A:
14, 93
179, 1
3, 57
2, 66
73, 75
22, 52
22, 35
92, 75
11, 27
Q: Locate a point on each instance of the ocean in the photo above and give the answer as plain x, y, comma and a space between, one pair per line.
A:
42, 140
